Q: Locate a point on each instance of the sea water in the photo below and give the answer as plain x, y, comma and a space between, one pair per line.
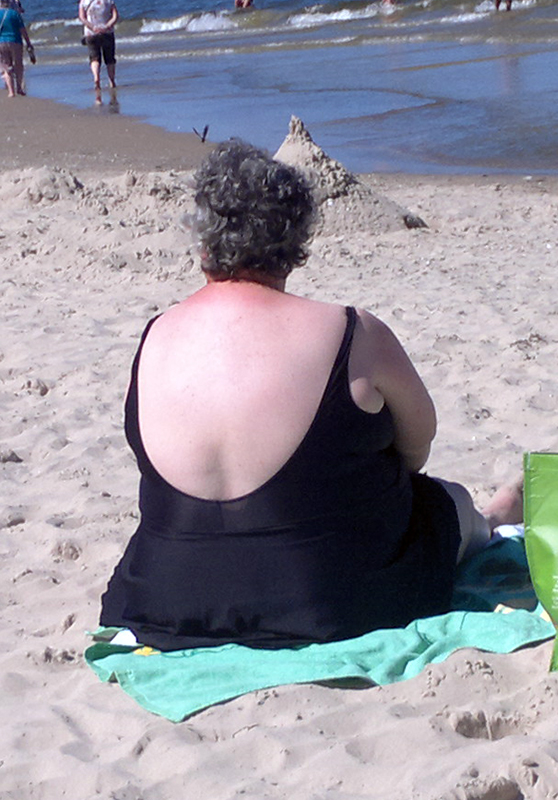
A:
434, 86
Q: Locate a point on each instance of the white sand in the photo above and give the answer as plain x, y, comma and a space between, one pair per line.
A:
86, 259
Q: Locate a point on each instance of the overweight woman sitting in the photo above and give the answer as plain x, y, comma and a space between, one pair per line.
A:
279, 441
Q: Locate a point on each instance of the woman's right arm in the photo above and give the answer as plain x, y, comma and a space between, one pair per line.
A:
25, 36
383, 361
82, 14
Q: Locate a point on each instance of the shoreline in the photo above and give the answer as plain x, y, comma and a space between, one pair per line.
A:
40, 132
447, 128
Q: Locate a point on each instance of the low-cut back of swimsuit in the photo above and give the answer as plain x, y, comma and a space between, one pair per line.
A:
340, 541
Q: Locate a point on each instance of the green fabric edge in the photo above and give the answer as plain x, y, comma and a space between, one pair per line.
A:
216, 674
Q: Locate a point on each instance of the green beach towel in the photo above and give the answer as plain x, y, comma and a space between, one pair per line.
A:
496, 611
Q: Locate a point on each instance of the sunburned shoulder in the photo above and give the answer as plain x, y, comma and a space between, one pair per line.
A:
369, 320
373, 326
163, 328
374, 341
206, 303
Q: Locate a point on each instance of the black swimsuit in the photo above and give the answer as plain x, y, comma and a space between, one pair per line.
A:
340, 541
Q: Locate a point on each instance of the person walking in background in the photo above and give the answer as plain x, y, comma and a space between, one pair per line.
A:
99, 18
12, 35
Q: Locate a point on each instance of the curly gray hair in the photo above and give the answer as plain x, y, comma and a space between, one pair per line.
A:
254, 214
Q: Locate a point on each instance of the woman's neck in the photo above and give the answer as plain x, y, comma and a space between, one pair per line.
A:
266, 281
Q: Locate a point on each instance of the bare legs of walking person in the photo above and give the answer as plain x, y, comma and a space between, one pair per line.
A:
111, 72
96, 72
17, 50
8, 75
101, 48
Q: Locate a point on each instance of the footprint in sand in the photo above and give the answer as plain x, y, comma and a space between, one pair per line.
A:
477, 725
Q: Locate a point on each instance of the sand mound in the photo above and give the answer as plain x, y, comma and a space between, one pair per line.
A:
346, 204
39, 185
128, 223
50, 185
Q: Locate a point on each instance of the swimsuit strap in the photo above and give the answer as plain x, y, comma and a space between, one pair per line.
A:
131, 407
146, 330
339, 370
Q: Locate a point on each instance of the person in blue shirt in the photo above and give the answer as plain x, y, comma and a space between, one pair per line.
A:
12, 35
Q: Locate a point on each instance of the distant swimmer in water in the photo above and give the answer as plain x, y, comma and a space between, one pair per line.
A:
243, 3
508, 4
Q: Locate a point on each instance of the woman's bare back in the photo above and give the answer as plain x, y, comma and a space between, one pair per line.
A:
229, 383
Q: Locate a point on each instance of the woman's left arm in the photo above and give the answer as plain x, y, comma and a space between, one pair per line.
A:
395, 378
113, 19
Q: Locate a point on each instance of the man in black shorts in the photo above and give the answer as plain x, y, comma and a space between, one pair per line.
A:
99, 18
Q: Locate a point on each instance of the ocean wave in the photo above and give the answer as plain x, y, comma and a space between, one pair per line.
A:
211, 22
175, 55
311, 43
131, 40
488, 5
55, 23
189, 22
163, 25
311, 17
417, 23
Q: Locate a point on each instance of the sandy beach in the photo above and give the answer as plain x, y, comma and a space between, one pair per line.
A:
92, 246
